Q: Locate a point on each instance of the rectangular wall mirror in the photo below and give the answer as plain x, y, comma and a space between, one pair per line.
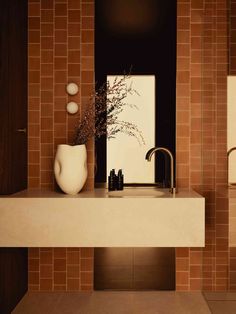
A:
145, 49
126, 152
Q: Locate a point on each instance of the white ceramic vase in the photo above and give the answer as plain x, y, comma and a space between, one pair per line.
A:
70, 168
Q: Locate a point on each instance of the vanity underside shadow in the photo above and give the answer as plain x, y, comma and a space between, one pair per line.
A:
134, 269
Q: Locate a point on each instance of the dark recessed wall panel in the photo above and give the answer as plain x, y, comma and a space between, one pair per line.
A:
13, 139
134, 269
13, 277
141, 35
232, 37
13, 96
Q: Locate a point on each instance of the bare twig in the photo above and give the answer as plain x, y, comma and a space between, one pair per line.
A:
101, 116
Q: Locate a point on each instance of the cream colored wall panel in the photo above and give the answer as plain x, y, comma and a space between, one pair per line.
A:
124, 151
231, 125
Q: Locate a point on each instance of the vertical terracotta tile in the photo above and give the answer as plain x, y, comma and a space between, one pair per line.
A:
73, 284
46, 271
46, 285
53, 60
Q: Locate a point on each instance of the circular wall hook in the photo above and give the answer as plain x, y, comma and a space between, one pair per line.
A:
72, 107
72, 88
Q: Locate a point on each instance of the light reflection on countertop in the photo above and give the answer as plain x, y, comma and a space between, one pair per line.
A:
128, 192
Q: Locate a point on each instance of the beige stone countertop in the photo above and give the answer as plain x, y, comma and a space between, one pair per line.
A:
232, 192
146, 192
135, 217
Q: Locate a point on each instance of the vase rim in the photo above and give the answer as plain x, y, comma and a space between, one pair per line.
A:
69, 145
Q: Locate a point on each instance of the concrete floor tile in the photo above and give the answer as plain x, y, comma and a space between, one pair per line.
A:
222, 307
113, 302
214, 296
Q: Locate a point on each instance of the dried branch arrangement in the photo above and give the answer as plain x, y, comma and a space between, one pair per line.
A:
101, 116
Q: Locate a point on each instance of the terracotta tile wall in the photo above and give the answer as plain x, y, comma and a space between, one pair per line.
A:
215, 65
201, 136
209, 142
60, 50
232, 37
60, 269
200, 123
190, 17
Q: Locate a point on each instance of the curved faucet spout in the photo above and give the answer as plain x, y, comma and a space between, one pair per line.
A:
230, 151
228, 154
168, 152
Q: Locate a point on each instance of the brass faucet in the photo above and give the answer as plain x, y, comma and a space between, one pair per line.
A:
228, 153
165, 150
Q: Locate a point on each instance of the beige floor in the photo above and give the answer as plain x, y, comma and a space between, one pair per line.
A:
113, 303
221, 302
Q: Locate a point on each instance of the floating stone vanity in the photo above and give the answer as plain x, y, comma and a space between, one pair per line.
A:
231, 196
135, 217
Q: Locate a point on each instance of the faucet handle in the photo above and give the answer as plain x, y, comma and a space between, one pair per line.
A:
173, 190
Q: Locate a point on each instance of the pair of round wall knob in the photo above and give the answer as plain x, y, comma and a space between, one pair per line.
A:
72, 89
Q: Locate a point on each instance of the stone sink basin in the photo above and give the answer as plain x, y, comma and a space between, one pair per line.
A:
139, 192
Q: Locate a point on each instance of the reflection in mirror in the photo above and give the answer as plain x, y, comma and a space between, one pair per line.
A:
126, 152
231, 129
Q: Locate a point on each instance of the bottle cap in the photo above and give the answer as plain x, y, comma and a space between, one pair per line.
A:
120, 173
112, 173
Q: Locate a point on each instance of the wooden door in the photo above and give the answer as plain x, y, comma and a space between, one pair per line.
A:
13, 96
